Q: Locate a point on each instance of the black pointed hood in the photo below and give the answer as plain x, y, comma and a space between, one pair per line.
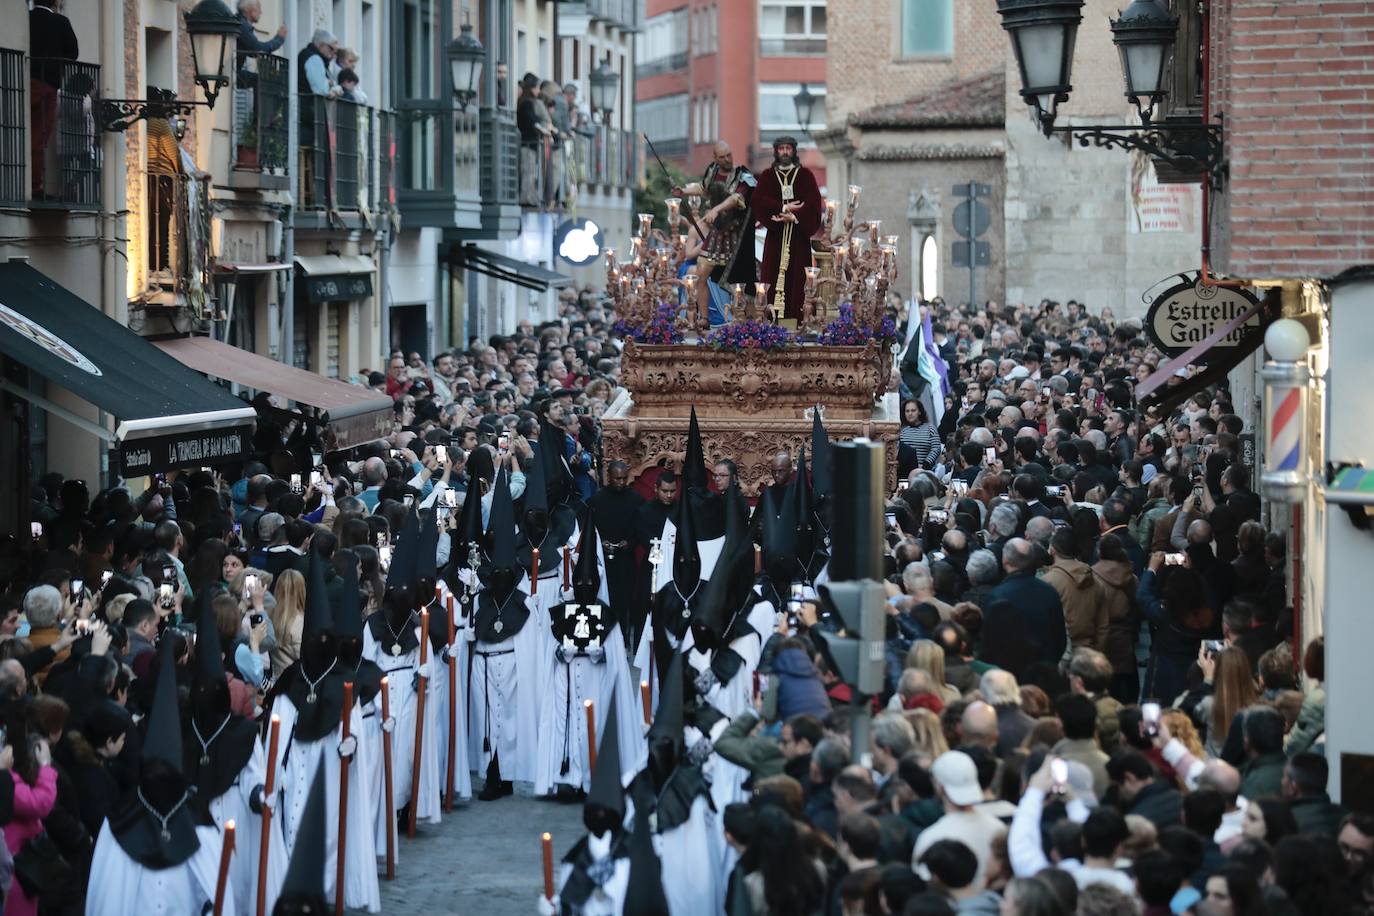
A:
163, 791
425, 557
209, 689
469, 532
799, 495
665, 734
694, 471
405, 553
319, 617
303, 890
558, 480
586, 572
605, 805
644, 891
822, 476
731, 581
163, 738
504, 573
229, 740
348, 624
686, 555
536, 517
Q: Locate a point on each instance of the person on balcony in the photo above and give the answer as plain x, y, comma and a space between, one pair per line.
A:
347, 60
250, 11
313, 61
532, 119
51, 40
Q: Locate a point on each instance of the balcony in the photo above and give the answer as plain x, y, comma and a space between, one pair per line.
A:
259, 136
621, 13
178, 249
500, 174
47, 123
609, 157
438, 165
346, 158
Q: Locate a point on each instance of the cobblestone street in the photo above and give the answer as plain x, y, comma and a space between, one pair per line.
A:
483, 860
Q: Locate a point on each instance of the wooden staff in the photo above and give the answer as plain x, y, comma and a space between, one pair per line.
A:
644, 701
419, 725
567, 567
386, 776
547, 842
345, 731
591, 734
452, 707
534, 572
758, 559
274, 732
226, 853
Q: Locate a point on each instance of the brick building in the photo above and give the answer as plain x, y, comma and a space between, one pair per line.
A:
729, 69
1295, 85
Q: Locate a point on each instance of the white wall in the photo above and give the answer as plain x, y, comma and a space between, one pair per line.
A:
1348, 623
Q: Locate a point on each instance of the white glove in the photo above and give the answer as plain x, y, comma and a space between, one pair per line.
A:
389, 725
425, 670
547, 907
348, 747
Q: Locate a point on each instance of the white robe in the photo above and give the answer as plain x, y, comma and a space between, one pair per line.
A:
507, 680
692, 854
400, 671
709, 552
297, 764
119, 885
462, 776
235, 805
609, 898
737, 696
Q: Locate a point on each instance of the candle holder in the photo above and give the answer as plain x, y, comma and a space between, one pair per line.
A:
674, 205
828, 221
610, 257
646, 221
873, 226
854, 191
856, 247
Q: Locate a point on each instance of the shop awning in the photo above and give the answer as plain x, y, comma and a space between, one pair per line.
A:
168, 416
240, 267
351, 415
335, 277
530, 276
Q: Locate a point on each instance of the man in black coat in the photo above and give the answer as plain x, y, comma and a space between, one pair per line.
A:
1304, 788
1041, 612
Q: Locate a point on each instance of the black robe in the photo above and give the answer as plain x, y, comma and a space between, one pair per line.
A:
616, 512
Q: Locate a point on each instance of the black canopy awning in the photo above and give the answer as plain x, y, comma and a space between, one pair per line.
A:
530, 276
168, 415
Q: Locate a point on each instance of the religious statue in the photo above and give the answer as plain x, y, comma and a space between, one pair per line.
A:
787, 203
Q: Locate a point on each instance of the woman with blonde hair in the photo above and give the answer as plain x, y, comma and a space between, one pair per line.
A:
1233, 689
930, 737
930, 658
288, 619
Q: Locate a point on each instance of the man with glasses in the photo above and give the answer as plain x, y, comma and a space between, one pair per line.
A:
723, 474
1356, 840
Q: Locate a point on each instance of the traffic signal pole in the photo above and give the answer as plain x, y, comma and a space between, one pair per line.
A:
855, 595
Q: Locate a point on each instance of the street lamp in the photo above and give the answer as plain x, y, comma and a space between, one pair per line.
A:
805, 104
1042, 37
214, 31
465, 59
1144, 35
605, 86
1043, 33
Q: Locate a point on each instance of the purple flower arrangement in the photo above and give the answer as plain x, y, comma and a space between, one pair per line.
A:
750, 335
661, 329
844, 331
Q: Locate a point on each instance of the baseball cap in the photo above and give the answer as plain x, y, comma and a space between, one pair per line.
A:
954, 772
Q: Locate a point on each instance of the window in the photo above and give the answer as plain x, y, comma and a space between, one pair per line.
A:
663, 43
778, 111
927, 27
792, 27
930, 268
664, 119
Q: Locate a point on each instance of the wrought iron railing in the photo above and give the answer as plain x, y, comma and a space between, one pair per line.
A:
347, 155
13, 127
64, 148
259, 127
500, 157
386, 160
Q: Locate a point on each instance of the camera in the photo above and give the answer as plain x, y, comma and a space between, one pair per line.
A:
1055, 491
1059, 772
36, 529
937, 515
316, 478
255, 620
1174, 559
990, 454
1213, 646
78, 589
295, 483
164, 595
451, 498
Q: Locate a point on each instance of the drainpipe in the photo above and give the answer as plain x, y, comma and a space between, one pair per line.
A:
1205, 277
112, 221
286, 352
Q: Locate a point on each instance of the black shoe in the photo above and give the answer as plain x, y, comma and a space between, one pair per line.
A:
493, 790
568, 795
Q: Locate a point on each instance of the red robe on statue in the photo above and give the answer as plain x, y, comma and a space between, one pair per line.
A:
775, 188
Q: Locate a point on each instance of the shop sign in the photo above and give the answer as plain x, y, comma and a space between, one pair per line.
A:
1186, 314
152, 454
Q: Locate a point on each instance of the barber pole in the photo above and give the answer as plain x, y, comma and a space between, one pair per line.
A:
1285, 478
